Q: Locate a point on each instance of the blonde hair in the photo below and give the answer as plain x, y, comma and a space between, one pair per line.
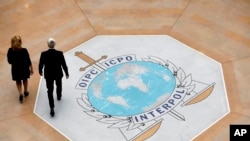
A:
16, 43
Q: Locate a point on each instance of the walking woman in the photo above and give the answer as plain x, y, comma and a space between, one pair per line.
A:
21, 66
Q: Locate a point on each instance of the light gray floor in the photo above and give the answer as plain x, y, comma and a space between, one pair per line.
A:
194, 69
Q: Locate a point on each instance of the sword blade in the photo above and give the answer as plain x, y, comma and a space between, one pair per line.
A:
176, 115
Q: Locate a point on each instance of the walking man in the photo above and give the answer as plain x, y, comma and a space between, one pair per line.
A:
53, 63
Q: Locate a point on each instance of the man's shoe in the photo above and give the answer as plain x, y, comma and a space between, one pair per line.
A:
21, 98
59, 98
26, 94
52, 112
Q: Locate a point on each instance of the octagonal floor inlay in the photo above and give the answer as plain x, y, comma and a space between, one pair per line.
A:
136, 88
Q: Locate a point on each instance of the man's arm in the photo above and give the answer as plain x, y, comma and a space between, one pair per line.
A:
64, 66
40, 66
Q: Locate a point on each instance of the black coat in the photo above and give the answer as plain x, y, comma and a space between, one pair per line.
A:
20, 63
53, 63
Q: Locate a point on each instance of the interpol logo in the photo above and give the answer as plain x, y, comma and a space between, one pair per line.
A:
133, 95
136, 88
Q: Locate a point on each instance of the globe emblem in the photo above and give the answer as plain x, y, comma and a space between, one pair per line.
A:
131, 88
133, 93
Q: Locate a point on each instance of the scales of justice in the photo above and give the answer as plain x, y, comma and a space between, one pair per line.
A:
146, 130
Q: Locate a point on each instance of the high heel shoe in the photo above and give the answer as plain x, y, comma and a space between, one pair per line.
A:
26, 94
21, 98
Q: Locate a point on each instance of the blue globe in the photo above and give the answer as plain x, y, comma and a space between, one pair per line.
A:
131, 88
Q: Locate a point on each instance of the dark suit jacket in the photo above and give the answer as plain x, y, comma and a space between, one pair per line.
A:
53, 63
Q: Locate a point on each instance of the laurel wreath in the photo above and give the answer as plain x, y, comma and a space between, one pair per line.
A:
182, 81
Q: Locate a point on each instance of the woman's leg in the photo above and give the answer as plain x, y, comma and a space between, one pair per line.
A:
19, 88
25, 85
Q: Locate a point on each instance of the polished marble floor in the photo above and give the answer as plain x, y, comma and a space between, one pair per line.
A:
217, 28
